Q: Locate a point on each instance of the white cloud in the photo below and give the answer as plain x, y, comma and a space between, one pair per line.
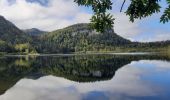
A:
162, 36
61, 13
122, 25
125, 28
157, 37
128, 82
147, 29
58, 14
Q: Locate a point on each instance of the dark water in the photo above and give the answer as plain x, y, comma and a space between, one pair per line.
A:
85, 77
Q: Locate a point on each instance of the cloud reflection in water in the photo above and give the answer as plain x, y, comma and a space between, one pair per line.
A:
140, 79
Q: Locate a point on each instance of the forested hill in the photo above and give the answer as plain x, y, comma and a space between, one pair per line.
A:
75, 38
10, 34
82, 38
79, 37
34, 32
12, 39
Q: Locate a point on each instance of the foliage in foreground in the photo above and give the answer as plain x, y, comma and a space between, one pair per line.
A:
102, 20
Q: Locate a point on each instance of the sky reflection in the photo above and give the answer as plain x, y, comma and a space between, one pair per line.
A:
136, 81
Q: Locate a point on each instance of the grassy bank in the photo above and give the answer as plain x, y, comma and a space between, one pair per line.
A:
162, 50
130, 50
2, 53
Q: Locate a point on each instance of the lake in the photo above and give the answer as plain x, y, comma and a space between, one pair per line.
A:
85, 77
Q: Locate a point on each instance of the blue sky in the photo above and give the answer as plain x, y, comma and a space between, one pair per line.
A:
54, 14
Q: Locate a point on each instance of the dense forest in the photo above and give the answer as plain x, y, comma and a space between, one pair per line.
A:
79, 38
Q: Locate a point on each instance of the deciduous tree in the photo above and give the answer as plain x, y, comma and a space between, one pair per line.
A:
102, 20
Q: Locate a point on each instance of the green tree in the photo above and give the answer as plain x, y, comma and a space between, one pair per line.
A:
101, 20
25, 48
5, 47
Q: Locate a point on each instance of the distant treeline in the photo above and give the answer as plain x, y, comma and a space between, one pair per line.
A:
76, 38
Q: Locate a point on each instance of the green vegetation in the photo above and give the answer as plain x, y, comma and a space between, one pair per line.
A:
137, 9
4, 47
11, 34
100, 20
81, 38
78, 38
34, 32
13, 40
79, 68
25, 48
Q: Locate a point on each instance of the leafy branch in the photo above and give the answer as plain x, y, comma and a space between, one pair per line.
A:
138, 9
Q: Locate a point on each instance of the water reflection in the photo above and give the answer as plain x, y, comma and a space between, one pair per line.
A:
90, 77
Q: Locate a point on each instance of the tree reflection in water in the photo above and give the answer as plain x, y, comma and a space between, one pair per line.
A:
79, 68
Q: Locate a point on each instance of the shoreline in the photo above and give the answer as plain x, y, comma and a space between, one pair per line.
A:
87, 53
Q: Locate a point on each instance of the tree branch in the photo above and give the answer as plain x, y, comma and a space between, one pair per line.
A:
122, 5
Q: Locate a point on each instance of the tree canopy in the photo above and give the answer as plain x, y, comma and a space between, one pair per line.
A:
102, 20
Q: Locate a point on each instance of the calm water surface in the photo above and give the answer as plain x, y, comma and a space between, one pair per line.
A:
85, 77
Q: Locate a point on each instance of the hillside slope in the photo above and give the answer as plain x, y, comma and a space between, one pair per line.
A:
79, 37
75, 38
34, 32
12, 39
10, 33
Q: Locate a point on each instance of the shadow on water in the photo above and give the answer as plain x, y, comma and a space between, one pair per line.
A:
86, 68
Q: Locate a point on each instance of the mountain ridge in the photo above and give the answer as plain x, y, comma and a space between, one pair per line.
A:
74, 38
10, 33
34, 32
